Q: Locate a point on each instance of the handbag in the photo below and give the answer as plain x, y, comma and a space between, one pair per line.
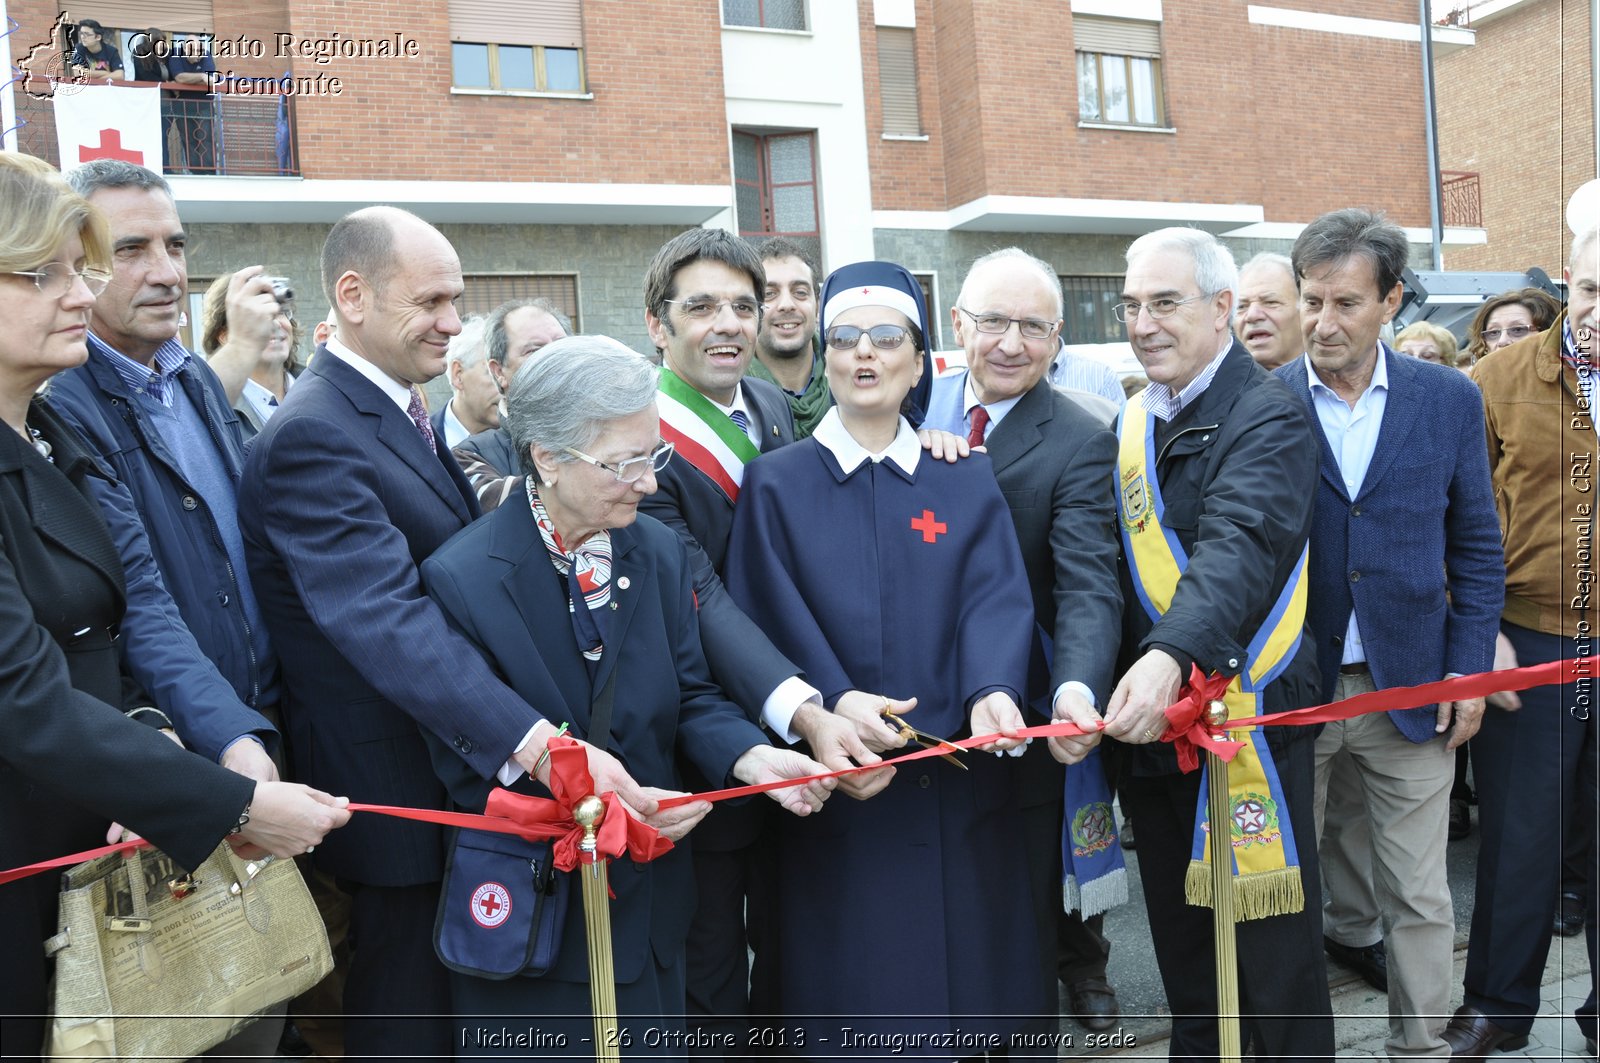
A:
503, 907
152, 963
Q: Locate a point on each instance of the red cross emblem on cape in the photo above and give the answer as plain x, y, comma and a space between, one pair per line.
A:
930, 528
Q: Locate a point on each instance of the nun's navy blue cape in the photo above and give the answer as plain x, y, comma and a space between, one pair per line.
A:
907, 913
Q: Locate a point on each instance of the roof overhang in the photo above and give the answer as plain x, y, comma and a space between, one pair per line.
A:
294, 199
1040, 214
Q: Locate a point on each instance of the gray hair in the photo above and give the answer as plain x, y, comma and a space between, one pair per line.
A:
1047, 273
1350, 233
466, 346
1269, 258
564, 395
88, 178
496, 323
1214, 269
1580, 241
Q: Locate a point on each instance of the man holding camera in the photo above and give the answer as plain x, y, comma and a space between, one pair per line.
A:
161, 417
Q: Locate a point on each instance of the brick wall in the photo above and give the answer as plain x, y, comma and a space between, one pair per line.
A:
656, 116
1299, 121
905, 173
1517, 108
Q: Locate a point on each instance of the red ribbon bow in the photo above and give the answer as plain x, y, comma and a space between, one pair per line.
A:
570, 782
1187, 727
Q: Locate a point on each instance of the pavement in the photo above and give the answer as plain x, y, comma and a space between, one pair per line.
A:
1361, 1014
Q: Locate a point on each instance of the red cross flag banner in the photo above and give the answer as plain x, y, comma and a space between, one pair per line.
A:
108, 122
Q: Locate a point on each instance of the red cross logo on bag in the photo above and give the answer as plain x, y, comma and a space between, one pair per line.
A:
491, 905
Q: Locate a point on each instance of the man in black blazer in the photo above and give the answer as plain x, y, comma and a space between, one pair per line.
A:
1054, 462
702, 309
345, 493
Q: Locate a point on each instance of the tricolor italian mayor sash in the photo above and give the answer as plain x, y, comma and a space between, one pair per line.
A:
1265, 861
702, 434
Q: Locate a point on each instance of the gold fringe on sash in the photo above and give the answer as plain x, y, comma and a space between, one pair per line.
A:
1255, 896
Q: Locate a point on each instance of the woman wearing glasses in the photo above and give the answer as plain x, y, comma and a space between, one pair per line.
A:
885, 574
581, 603
1507, 318
70, 761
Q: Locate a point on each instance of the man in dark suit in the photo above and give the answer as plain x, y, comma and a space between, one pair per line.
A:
1407, 582
1213, 470
702, 309
1054, 462
345, 493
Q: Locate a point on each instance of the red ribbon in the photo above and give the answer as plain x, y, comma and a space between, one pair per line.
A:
570, 782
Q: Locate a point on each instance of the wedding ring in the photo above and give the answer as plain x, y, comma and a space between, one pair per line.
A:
310, 849
1149, 734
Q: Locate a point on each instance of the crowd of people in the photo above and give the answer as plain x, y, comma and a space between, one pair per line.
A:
777, 545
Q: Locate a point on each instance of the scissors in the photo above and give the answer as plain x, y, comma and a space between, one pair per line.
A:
922, 738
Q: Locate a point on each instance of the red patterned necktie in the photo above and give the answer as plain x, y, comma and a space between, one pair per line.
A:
419, 417
980, 421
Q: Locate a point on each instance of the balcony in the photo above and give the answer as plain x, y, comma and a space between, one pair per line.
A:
226, 133
1461, 199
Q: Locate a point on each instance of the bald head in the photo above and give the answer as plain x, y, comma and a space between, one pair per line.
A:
393, 281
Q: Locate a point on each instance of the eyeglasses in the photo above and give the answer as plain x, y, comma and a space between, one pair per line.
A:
884, 337
704, 309
1515, 332
1032, 328
55, 279
1128, 310
629, 471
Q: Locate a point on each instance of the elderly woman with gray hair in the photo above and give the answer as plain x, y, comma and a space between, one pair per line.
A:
584, 606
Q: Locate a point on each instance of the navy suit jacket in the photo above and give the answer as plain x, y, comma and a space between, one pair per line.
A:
1416, 553
496, 585
340, 504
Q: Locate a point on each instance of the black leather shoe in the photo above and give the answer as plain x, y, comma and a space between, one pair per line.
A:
1569, 915
1460, 819
1094, 1004
1471, 1035
1126, 837
1371, 962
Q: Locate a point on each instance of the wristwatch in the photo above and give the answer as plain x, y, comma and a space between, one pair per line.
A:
244, 817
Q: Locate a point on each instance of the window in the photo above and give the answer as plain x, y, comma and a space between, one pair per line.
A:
515, 67
897, 82
775, 186
929, 285
485, 291
1119, 71
1087, 310
539, 48
768, 14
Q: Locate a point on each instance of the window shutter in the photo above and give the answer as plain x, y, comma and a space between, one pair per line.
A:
553, 23
485, 291
897, 81
1116, 36
174, 16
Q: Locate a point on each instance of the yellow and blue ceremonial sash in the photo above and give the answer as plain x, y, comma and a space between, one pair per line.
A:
1266, 864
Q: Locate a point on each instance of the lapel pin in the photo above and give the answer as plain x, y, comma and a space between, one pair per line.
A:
622, 584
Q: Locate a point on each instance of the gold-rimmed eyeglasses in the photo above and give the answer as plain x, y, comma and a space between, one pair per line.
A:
55, 279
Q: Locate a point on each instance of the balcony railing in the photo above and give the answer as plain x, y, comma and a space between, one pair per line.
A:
223, 133
1461, 199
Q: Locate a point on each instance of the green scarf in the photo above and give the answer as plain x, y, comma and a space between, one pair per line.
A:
810, 406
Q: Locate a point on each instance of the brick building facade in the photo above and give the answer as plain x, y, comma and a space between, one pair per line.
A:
558, 142
1517, 109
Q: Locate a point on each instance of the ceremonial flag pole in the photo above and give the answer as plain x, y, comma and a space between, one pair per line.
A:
597, 920
1220, 818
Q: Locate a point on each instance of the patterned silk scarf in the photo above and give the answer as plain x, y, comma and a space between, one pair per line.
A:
587, 571
1266, 864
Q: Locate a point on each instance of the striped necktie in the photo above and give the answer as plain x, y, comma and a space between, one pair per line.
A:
742, 419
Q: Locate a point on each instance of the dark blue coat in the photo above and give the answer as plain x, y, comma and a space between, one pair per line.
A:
1416, 554
340, 504
181, 534
907, 586
496, 585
